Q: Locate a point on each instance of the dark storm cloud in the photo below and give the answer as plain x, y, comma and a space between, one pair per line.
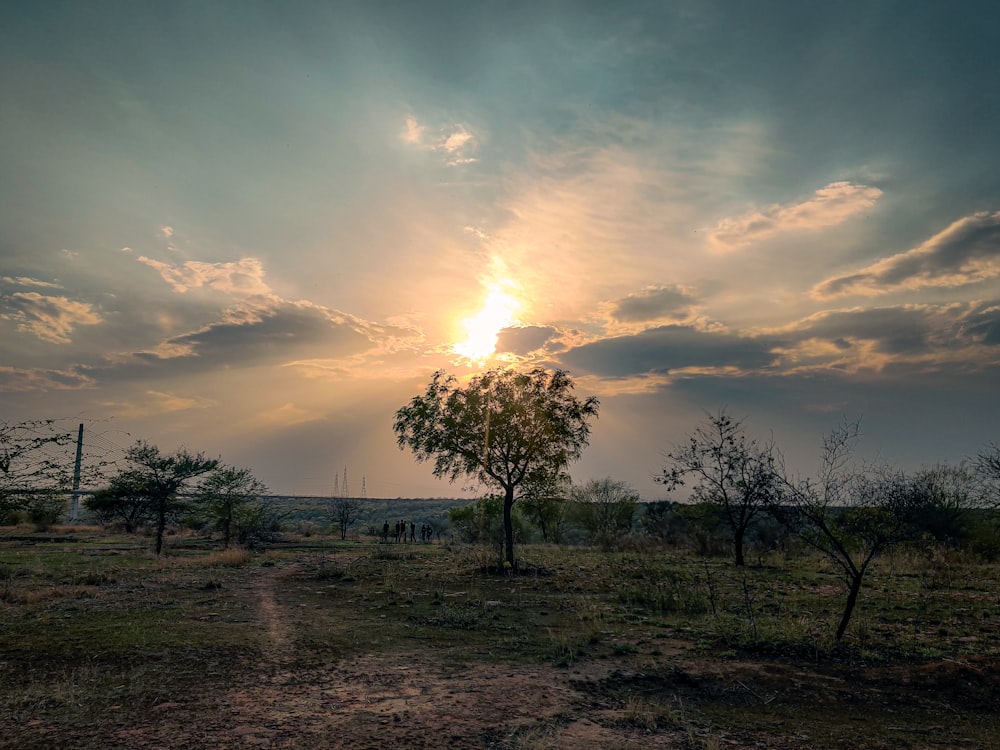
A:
966, 252
524, 340
669, 348
653, 303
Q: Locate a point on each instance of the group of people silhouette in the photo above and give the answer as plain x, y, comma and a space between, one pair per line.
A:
404, 530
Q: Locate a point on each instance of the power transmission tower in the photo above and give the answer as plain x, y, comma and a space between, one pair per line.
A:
336, 485
346, 492
75, 512
364, 492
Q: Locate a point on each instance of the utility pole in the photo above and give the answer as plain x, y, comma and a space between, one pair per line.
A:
75, 511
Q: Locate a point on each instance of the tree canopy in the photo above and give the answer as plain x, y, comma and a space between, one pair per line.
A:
507, 429
161, 479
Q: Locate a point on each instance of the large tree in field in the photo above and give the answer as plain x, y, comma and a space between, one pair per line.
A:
163, 480
507, 429
729, 469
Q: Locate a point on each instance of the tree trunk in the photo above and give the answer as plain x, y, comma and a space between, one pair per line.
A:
852, 599
738, 543
508, 526
161, 524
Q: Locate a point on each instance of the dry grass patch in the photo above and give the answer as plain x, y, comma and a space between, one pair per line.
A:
13, 594
234, 557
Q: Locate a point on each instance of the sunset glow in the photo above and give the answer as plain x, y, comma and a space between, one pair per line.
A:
481, 330
787, 211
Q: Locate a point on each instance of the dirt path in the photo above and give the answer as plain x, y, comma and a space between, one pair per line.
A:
368, 703
272, 617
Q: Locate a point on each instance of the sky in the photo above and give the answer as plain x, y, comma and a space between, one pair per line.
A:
256, 229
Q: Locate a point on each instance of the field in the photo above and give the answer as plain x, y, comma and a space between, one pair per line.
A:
320, 643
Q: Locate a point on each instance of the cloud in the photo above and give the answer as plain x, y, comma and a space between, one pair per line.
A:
286, 415
284, 330
902, 339
669, 349
166, 231
968, 251
26, 281
599, 211
983, 324
829, 206
244, 277
41, 380
523, 340
454, 141
414, 132
653, 303
959, 336
257, 328
51, 319
156, 403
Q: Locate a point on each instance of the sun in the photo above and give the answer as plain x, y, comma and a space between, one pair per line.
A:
483, 328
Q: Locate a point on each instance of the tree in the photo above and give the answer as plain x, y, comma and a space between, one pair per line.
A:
481, 521
987, 468
730, 470
345, 512
545, 506
162, 480
954, 496
123, 499
31, 461
228, 497
605, 508
507, 429
854, 514
548, 513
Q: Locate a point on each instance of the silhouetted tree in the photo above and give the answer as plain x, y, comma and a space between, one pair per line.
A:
605, 508
729, 469
854, 514
954, 496
124, 499
987, 467
162, 479
507, 429
345, 513
545, 506
229, 498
